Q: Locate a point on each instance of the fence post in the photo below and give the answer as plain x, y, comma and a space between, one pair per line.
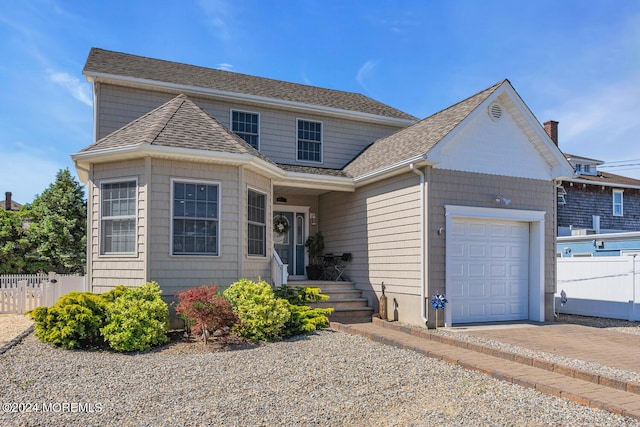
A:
22, 297
632, 309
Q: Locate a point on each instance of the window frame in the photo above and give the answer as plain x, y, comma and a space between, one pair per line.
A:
247, 133
615, 204
250, 222
320, 143
217, 219
104, 218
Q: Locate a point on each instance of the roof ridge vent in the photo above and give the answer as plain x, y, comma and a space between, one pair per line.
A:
495, 111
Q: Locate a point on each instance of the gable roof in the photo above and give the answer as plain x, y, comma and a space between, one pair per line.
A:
416, 140
108, 64
179, 123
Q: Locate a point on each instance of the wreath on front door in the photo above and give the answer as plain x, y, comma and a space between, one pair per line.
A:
280, 224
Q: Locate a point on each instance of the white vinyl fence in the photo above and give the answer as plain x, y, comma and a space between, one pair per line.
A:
20, 293
600, 286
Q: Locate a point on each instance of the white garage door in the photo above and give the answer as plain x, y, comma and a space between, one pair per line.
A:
487, 270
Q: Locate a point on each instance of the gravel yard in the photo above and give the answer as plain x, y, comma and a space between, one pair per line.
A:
329, 378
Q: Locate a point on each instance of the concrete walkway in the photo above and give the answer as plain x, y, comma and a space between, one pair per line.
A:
608, 348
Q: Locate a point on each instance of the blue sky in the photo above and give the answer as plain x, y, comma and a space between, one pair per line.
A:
577, 62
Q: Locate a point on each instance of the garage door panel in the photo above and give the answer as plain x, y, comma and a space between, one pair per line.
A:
489, 261
477, 229
498, 230
498, 270
498, 309
498, 251
477, 250
476, 270
476, 290
498, 290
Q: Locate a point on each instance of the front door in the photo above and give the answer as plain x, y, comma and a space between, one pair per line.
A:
289, 243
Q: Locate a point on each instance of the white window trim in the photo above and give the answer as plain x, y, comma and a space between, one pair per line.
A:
321, 141
266, 222
621, 192
171, 191
231, 111
101, 218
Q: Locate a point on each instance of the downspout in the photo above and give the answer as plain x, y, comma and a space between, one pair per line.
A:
423, 306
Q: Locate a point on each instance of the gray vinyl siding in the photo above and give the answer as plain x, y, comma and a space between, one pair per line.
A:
175, 273
108, 271
342, 139
379, 224
255, 267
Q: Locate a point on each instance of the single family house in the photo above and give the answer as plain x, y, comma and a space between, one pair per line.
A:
593, 201
193, 168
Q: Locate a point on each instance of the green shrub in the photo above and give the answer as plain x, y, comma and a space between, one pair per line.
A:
74, 321
137, 319
261, 315
205, 309
303, 319
114, 293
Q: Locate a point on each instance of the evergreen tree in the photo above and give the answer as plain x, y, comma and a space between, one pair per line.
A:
57, 228
13, 242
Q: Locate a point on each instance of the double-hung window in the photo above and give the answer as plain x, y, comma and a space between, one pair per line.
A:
195, 222
309, 141
118, 217
246, 126
617, 203
257, 223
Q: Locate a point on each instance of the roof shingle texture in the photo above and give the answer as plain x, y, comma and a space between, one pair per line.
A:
609, 178
139, 67
179, 123
417, 139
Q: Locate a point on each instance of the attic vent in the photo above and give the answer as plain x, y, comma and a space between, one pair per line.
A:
495, 111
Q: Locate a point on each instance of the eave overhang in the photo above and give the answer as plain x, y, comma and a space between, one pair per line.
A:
84, 160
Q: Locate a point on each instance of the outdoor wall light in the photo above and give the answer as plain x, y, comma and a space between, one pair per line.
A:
313, 218
502, 199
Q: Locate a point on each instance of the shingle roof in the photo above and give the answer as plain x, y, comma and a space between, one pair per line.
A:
312, 170
126, 65
416, 139
178, 123
609, 179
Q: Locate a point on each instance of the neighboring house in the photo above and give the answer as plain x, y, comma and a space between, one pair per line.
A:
9, 204
598, 212
191, 165
594, 202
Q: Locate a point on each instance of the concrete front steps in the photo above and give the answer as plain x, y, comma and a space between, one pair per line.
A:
347, 302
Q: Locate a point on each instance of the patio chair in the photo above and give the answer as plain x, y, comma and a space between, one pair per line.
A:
341, 265
329, 267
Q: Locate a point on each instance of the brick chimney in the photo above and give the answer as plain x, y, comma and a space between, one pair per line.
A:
551, 127
7, 200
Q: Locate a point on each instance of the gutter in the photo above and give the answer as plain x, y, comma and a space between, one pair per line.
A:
602, 184
423, 305
384, 172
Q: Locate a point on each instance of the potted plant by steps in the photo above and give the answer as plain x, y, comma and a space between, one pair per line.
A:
315, 248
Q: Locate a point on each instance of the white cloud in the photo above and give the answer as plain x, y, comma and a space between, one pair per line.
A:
602, 123
218, 14
225, 67
79, 90
364, 75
